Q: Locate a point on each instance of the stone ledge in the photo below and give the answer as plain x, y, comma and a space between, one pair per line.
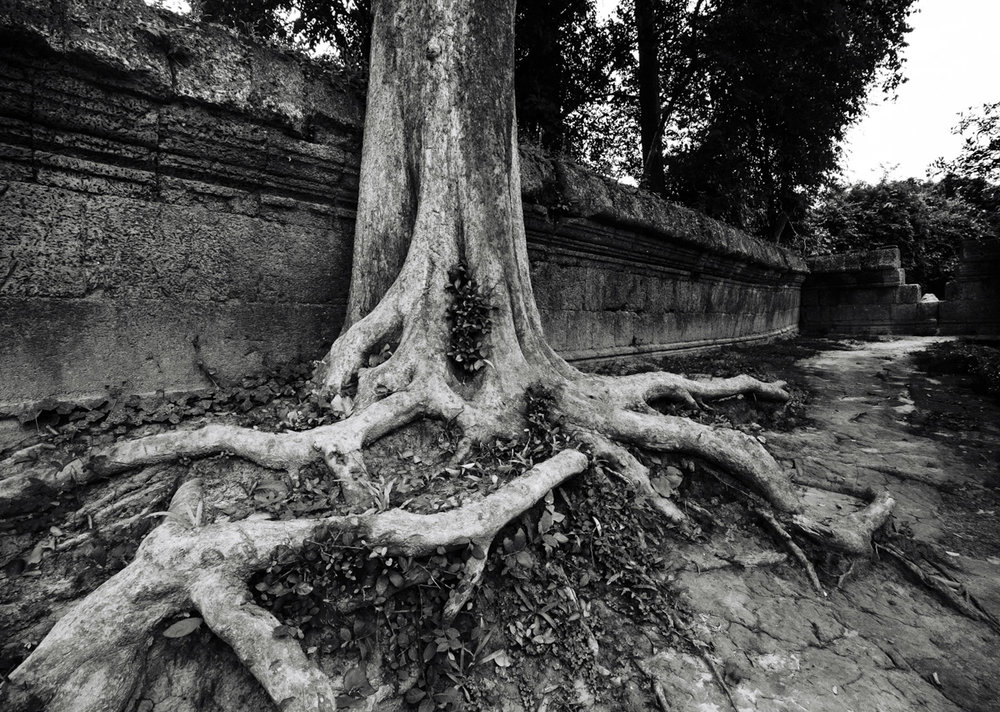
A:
861, 261
170, 57
569, 190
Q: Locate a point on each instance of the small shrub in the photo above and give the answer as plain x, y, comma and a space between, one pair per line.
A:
965, 358
469, 317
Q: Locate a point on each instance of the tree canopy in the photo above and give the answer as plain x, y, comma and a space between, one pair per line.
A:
927, 220
732, 107
775, 91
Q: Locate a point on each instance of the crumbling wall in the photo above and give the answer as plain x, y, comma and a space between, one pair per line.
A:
864, 294
177, 205
619, 272
972, 305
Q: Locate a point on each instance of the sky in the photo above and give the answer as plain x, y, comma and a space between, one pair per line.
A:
951, 64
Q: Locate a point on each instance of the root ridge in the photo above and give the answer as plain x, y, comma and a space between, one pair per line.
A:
187, 562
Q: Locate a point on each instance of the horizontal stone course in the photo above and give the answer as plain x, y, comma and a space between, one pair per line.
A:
973, 298
84, 348
860, 261
171, 195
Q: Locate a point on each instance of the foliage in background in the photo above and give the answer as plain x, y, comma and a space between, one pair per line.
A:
922, 218
564, 59
974, 175
979, 158
775, 93
753, 99
344, 26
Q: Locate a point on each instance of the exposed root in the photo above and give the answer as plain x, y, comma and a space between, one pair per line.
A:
94, 654
737, 453
152, 483
851, 533
794, 548
274, 450
284, 671
645, 387
951, 591
189, 563
626, 465
348, 468
475, 568
348, 353
92, 657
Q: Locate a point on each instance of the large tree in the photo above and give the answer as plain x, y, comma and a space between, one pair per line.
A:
782, 82
441, 273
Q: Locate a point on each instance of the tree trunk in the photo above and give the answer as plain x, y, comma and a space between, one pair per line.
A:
648, 76
440, 186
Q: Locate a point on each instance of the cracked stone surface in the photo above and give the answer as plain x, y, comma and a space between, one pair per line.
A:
880, 641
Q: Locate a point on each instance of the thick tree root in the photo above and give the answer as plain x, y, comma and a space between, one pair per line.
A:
852, 532
280, 665
91, 659
794, 548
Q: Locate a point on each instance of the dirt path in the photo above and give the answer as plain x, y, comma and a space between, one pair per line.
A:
881, 641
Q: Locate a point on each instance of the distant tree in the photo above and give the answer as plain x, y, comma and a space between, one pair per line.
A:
668, 41
920, 217
975, 174
778, 83
980, 154
563, 63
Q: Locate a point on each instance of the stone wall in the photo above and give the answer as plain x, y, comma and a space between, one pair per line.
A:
174, 201
618, 272
864, 294
972, 305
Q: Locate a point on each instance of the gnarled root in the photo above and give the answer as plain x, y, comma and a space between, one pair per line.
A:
91, 659
853, 532
283, 670
93, 656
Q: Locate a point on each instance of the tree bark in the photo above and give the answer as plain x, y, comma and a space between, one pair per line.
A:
648, 78
440, 185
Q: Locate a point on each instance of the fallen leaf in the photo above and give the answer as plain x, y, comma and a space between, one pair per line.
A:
182, 628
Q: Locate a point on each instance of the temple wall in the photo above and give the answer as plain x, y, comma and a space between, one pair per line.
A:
176, 201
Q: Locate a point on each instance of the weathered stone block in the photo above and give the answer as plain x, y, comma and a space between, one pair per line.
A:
41, 241
80, 348
904, 314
